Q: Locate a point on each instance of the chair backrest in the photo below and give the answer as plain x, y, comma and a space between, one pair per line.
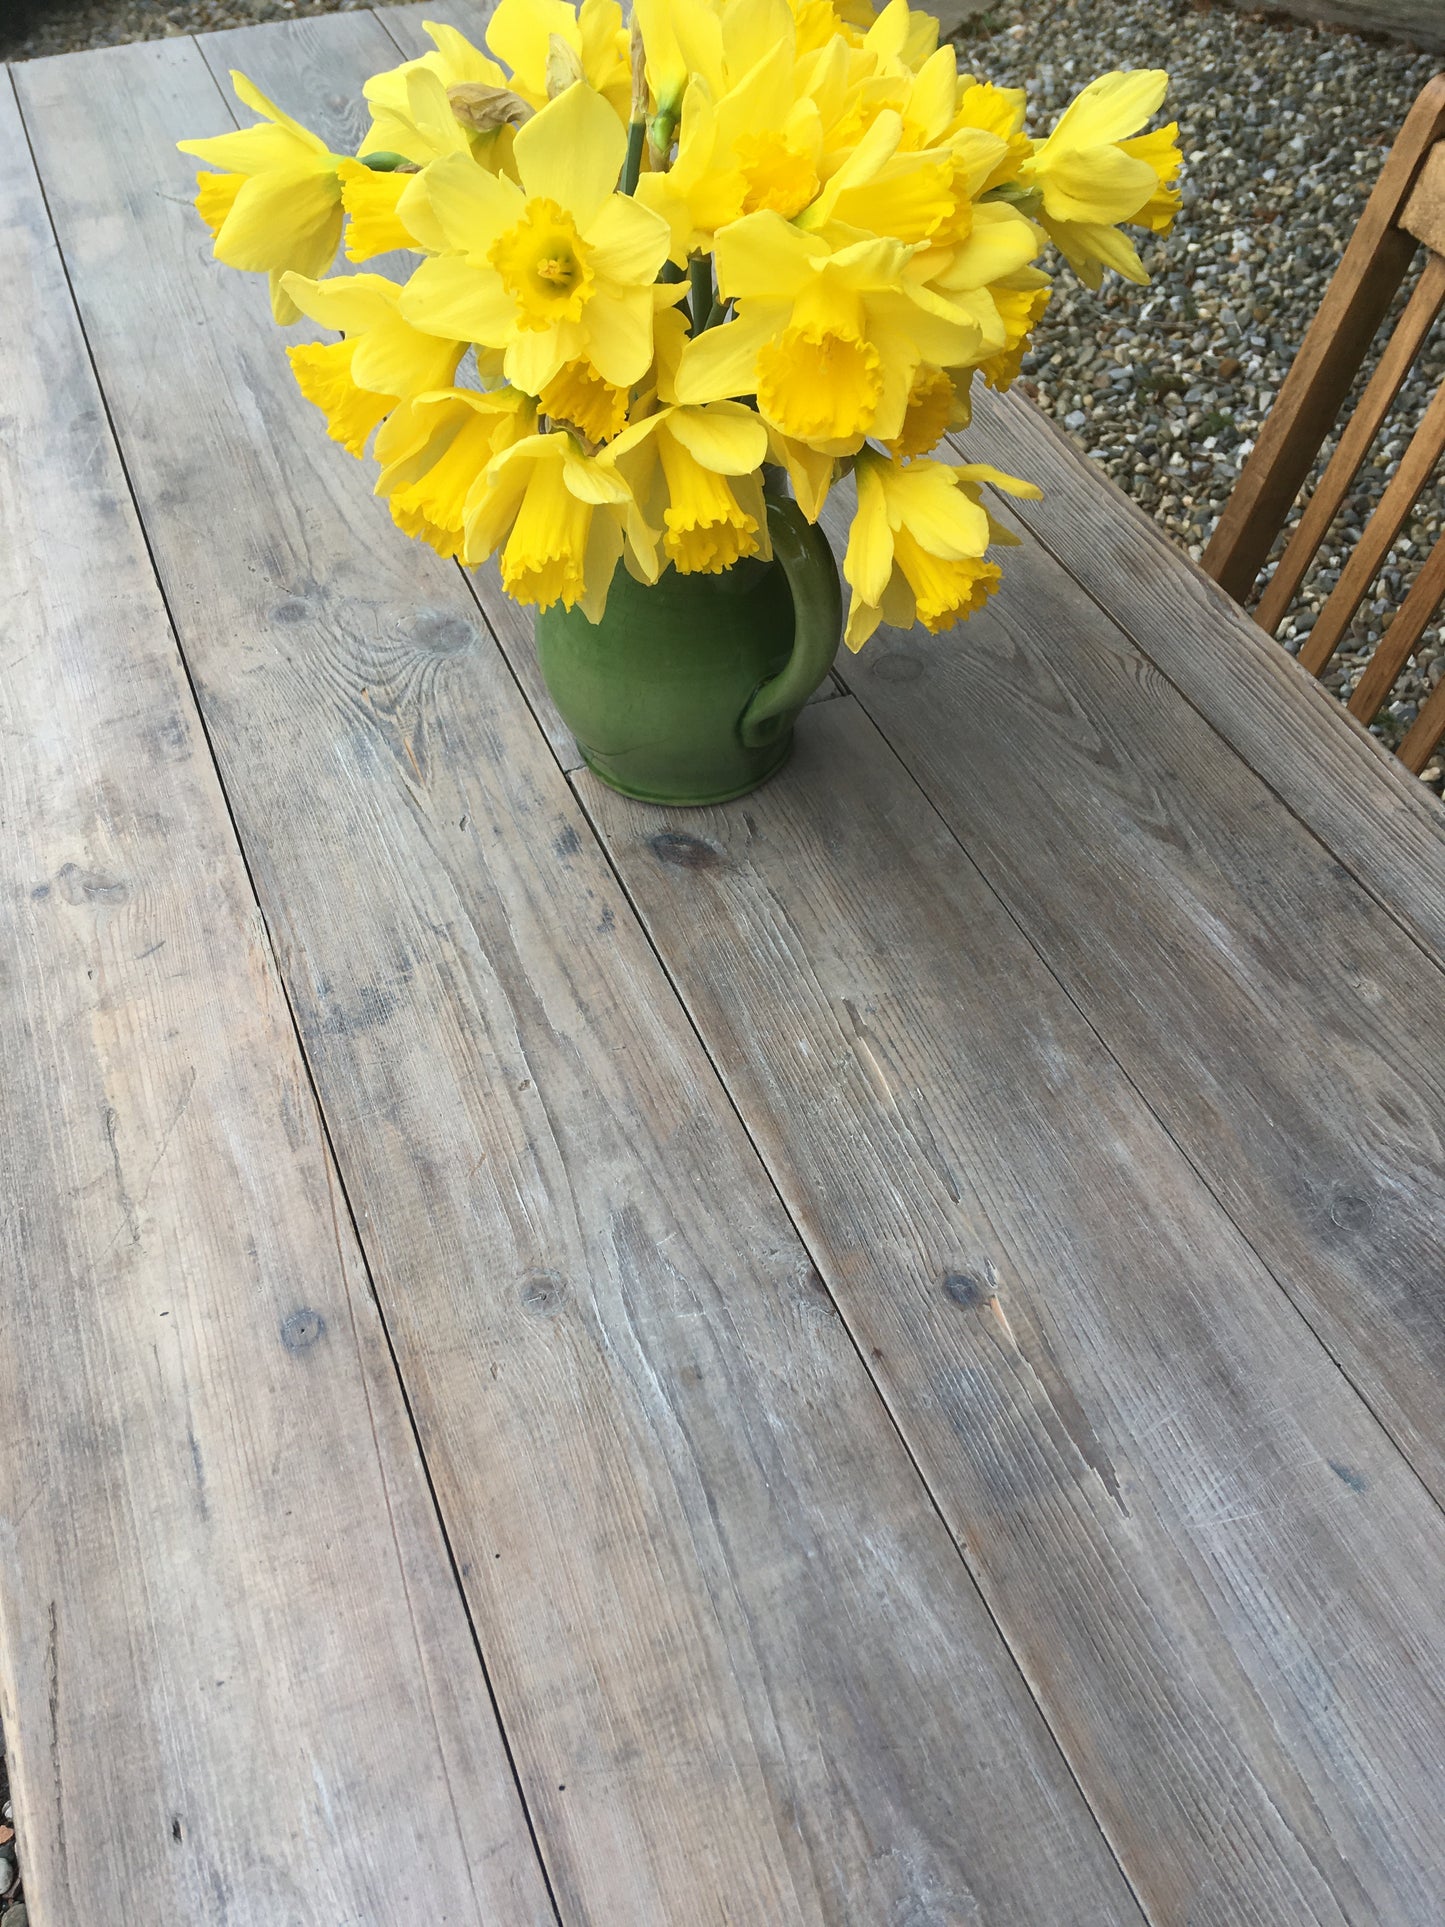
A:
1405, 213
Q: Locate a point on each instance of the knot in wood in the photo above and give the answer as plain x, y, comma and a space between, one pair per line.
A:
684, 852
302, 1329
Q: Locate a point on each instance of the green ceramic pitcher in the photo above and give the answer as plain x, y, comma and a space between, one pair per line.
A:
687, 691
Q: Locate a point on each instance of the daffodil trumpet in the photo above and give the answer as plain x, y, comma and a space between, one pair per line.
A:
652, 263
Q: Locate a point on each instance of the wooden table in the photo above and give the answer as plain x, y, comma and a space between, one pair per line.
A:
873, 1355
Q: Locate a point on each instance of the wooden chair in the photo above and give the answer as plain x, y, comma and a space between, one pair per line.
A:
1405, 213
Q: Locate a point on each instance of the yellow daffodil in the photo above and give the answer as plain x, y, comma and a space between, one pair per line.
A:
679, 38
695, 477
827, 339
1091, 175
454, 62
557, 270
1021, 299
578, 397
916, 549
811, 471
357, 382
520, 32
557, 515
277, 205
323, 374
420, 127
980, 277
857, 226
901, 39
880, 191
435, 452
390, 356
1160, 151
817, 23
757, 147
933, 408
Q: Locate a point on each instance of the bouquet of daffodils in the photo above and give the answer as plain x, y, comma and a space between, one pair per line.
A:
656, 259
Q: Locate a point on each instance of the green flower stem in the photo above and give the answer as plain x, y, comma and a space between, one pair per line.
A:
700, 268
632, 166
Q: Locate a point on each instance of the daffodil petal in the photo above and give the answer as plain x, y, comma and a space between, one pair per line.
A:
592, 481
1099, 184
723, 361
572, 152
627, 241
725, 437
250, 150
346, 302
535, 356
395, 359
618, 329
290, 218
868, 559
469, 205
1000, 479
764, 255
1001, 243
449, 296
251, 96
1112, 107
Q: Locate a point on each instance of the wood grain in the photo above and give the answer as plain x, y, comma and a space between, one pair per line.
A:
236, 1675
1384, 827
1416, 22
1220, 1577
1424, 214
743, 1670
1283, 1028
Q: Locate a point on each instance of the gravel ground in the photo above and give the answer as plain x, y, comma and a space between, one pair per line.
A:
1284, 128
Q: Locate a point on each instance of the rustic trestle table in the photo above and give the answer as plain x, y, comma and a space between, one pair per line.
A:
871, 1355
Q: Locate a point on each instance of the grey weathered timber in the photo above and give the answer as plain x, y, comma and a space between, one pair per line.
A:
742, 1668
1180, 1512
1283, 1026
236, 1675
1368, 811
1420, 23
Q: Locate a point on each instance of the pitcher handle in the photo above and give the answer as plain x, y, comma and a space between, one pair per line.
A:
812, 574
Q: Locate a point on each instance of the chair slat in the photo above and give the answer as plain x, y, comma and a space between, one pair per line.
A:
1355, 443
1399, 641
1425, 732
1378, 538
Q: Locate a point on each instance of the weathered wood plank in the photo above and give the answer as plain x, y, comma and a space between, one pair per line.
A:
1381, 824
1218, 1573
742, 1668
236, 1675
1283, 1027
1417, 22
